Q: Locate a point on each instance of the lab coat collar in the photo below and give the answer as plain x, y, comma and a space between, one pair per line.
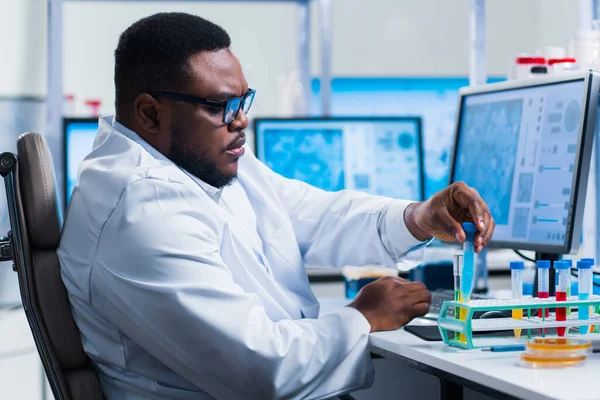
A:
211, 191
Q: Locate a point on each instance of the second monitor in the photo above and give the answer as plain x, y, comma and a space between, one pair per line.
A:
381, 156
526, 147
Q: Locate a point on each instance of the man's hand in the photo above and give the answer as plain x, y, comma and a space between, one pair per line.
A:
443, 214
390, 303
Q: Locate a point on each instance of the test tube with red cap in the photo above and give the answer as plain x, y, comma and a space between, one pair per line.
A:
563, 280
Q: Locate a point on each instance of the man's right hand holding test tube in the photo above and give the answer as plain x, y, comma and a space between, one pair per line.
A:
441, 216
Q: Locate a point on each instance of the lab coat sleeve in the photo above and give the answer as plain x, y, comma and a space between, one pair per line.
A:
159, 278
347, 227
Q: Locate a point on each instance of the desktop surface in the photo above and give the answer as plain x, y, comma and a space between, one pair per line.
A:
522, 149
381, 156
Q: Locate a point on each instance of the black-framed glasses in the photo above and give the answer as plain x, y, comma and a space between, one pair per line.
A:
231, 107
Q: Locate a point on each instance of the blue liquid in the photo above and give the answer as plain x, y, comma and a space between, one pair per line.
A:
584, 313
466, 284
353, 286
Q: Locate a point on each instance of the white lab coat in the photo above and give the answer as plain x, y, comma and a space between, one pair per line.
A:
183, 291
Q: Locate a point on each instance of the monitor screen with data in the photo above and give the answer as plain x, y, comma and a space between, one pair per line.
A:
79, 135
524, 150
381, 156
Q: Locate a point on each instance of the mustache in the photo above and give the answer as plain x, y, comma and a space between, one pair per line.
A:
241, 136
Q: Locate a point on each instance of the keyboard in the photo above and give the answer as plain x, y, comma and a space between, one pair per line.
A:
439, 296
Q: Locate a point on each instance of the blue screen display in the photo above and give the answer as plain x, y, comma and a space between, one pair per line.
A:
79, 141
518, 149
378, 156
433, 99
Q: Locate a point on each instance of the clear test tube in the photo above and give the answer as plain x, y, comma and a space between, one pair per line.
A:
570, 262
543, 269
596, 309
457, 264
516, 276
563, 278
584, 272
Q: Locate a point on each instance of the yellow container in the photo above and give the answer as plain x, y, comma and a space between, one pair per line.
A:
555, 353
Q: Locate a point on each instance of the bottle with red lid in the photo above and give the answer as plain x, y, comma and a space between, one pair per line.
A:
558, 66
527, 66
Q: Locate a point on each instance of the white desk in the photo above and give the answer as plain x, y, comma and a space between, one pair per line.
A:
494, 374
490, 373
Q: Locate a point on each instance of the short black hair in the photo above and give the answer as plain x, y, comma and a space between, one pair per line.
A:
153, 53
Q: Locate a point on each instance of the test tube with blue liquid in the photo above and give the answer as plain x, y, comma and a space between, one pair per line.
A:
466, 283
584, 272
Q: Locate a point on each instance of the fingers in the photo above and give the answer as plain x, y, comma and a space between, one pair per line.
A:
452, 226
483, 238
415, 286
420, 309
469, 200
423, 296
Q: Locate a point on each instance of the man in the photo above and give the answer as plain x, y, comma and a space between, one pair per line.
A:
184, 256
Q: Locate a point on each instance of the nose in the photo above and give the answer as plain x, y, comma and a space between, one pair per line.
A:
240, 122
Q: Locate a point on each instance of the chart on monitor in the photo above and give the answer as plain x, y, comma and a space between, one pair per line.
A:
378, 156
518, 149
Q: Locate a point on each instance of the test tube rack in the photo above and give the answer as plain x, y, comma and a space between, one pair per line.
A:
466, 325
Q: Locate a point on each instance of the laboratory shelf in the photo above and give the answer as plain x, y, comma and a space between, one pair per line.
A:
467, 325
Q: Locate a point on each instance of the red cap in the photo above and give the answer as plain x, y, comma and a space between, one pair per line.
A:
93, 103
553, 61
530, 60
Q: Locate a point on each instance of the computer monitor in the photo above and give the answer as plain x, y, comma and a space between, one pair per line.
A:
381, 156
79, 135
526, 147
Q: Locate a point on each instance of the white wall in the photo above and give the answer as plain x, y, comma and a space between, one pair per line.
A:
374, 38
22, 47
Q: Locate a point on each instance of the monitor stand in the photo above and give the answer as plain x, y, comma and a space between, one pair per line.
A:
552, 273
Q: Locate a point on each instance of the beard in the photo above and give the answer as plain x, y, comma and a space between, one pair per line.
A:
197, 162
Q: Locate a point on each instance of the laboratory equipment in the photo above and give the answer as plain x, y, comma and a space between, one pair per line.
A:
584, 271
377, 155
596, 309
531, 165
525, 64
473, 324
481, 272
355, 278
570, 263
555, 353
506, 348
563, 278
516, 277
457, 264
525, 146
79, 135
543, 270
585, 47
561, 65
466, 284
589, 261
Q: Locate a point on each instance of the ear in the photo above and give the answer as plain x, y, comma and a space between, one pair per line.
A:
147, 112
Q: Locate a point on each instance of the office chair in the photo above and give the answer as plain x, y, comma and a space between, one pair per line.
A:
31, 244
